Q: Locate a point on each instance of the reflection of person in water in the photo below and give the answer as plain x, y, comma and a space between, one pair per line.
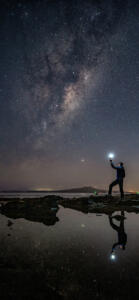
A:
122, 236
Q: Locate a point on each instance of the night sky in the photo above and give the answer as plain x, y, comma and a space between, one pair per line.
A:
68, 93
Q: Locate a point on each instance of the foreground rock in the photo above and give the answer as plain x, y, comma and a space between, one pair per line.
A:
35, 210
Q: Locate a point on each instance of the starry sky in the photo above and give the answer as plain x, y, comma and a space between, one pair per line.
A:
68, 93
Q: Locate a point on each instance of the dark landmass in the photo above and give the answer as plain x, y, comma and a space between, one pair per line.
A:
85, 189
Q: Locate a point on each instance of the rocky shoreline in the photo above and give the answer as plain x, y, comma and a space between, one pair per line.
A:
45, 209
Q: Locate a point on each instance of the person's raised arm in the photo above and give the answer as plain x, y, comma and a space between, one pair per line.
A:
114, 246
114, 226
112, 164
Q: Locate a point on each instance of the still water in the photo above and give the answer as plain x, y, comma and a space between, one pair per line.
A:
70, 257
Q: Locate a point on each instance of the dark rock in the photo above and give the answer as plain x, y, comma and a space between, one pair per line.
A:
10, 223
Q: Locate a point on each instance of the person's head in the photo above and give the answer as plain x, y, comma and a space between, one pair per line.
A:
121, 164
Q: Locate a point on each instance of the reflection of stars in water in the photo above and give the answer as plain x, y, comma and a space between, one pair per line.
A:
26, 13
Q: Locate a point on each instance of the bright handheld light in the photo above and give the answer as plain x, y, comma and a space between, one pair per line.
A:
113, 256
111, 155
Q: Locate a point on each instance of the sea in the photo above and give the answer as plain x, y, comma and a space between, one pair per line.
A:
35, 194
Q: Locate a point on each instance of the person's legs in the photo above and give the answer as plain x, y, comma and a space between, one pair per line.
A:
115, 182
121, 188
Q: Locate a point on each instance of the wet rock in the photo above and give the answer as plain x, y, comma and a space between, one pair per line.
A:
45, 209
32, 210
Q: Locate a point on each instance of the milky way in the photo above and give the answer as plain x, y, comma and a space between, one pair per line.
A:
57, 96
63, 49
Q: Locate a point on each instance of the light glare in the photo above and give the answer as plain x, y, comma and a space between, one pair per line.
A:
111, 155
113, 257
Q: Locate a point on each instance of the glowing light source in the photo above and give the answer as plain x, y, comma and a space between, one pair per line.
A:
111, 155
113, 256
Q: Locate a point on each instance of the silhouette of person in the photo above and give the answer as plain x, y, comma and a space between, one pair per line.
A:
122, 236
119, 180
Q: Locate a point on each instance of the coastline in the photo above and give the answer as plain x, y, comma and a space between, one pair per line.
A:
40, 208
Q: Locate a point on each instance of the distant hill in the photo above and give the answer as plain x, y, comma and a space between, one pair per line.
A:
85, 189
